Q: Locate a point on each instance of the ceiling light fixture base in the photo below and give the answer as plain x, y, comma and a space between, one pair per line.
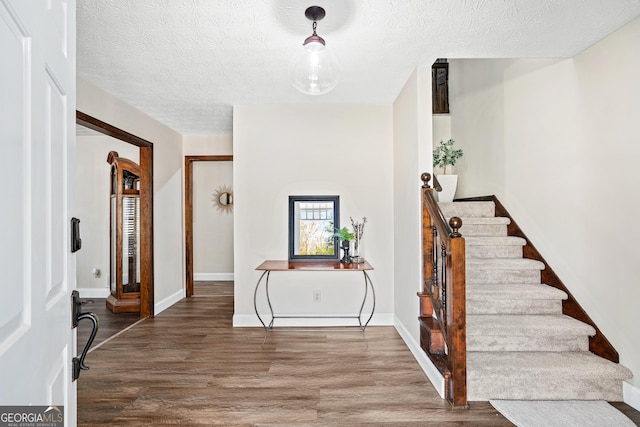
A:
314, 13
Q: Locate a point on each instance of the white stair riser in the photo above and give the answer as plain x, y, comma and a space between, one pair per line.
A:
502, 276
483, 230
494, 251
480, 342
514, 306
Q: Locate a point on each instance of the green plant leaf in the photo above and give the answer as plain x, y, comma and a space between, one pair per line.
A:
445, 155
344, 234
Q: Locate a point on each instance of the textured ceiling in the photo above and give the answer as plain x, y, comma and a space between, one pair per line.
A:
187, 62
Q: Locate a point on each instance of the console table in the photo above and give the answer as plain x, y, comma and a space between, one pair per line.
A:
267, 267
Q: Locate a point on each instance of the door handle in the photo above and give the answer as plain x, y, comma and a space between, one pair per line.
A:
76, 241
76, 316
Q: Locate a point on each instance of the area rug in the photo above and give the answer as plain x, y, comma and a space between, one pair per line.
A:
561, 413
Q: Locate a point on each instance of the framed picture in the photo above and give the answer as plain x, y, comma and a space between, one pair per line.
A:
313, 221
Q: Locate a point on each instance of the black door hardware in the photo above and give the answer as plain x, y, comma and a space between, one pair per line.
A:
76, 241
76, 316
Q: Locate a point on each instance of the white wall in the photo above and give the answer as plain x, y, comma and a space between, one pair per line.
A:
441, 128
412, 147
212, 227
301, 150
201, 145
92, 207
566, 136
477, 124
167, 184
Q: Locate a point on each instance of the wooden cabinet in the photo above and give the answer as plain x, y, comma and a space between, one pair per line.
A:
124, 272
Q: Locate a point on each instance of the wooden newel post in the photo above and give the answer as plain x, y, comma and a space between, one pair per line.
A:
425, 177
458, 339
455, 224
457, 362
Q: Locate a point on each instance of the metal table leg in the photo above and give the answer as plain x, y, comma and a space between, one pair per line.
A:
367, 284
255, 304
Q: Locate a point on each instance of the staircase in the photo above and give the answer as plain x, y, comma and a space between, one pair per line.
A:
519, 344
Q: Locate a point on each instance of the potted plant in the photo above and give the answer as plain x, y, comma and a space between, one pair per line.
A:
445, 155
345, 237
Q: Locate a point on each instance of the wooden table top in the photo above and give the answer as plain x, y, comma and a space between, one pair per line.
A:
277, 265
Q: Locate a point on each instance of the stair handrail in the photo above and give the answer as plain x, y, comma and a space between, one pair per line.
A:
436, 183
444, 282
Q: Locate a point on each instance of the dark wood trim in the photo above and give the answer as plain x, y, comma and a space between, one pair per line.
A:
598, 344
146, 205
107, 129
147, 294
188, 224
188, 213
440, 87
456, 323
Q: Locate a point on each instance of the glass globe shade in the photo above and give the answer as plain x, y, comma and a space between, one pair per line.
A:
314, 70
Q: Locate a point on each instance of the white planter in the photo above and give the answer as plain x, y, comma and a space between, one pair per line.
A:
448, 184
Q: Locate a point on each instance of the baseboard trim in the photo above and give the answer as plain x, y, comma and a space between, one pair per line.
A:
93, 292
217, 277
425, 363
251, 321
631, 395
169, 301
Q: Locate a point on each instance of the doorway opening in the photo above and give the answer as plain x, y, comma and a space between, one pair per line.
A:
145, 149
217, 191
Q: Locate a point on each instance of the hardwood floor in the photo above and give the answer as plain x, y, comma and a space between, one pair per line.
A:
188, 366
109, 323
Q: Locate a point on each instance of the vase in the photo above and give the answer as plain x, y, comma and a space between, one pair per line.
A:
448, 184
356, 256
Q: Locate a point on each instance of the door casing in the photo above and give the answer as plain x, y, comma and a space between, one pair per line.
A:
188, 212
146, 205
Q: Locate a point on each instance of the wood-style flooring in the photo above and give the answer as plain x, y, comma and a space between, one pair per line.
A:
109, 323
189, 366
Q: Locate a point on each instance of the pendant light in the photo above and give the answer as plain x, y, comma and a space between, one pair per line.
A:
314, 71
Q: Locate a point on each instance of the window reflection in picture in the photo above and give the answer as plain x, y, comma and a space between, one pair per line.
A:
312, 223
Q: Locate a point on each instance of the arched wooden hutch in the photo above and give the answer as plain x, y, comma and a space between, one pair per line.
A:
124, 239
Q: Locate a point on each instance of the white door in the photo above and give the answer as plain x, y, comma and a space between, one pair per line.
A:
37, 147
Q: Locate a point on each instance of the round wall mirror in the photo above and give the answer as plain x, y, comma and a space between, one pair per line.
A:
223, 199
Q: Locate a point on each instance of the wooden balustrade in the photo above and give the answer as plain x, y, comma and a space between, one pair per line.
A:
443, 300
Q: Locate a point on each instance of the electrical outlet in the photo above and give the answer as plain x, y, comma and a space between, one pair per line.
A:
97, 273
316, 296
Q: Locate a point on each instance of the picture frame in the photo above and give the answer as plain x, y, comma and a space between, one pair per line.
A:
313, 221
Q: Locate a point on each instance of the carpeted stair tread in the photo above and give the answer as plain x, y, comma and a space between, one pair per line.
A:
568, 364
514, 291
526, 325
468, 209
494, 241
484, 221
490, 247
503, 264
484, 226
514, 298
543, 376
